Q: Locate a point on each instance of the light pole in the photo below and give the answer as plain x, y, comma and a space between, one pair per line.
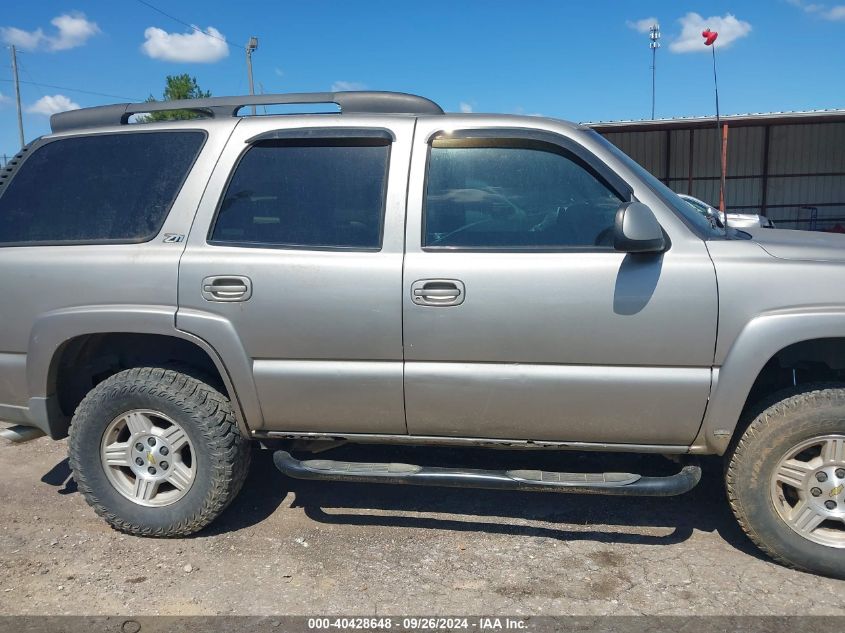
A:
251, 46
654, 44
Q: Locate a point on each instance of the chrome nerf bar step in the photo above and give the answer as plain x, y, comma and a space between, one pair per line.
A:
536, 480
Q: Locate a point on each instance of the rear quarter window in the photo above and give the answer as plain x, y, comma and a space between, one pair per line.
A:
103, 188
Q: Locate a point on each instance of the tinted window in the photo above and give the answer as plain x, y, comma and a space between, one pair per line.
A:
306, 194
515, 197
107, 187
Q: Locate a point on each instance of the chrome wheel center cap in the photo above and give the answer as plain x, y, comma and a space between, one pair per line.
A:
151, 456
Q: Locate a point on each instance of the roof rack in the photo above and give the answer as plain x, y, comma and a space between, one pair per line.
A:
357, 102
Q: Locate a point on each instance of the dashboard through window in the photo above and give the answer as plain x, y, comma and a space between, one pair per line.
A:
511, 194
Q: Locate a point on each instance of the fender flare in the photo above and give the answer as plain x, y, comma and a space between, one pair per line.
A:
760, 339
52, 330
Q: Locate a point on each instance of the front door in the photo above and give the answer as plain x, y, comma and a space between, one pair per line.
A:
297, 250
521, 321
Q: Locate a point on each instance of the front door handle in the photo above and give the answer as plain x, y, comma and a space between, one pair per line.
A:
438, 292
226, 288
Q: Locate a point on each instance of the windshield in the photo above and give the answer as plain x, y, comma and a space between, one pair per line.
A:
689, 214
714, 217
698, 205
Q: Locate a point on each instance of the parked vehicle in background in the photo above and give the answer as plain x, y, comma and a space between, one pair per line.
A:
736, 220
392, 274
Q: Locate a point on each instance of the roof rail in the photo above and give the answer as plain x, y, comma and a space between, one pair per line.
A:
218, 107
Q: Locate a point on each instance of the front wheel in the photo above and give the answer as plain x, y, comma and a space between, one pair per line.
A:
156, 452
786, 480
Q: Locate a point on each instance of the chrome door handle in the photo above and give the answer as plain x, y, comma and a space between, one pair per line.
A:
226, 288
438, 292
444, 293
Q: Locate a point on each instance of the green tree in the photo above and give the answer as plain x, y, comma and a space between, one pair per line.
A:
178, 87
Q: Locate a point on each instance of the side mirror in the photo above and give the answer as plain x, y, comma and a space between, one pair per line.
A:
637, 230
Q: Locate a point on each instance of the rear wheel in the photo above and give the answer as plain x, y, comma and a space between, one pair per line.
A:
157, 452
786, 479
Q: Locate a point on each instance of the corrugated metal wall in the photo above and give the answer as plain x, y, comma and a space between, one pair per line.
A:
802, 185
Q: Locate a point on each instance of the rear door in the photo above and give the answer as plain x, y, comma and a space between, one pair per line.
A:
521, 321
297, 247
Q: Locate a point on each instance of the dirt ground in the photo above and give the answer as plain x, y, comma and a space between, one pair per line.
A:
293, 547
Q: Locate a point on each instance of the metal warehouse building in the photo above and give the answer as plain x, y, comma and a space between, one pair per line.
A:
787, 166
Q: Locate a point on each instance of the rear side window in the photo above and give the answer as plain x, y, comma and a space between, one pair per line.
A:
102, 188
514, 196
326, 193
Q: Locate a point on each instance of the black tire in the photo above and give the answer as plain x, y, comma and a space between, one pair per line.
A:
206, 417
785, 421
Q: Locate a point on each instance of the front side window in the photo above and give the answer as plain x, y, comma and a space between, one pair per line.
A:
306, 194
507, 195
99, 188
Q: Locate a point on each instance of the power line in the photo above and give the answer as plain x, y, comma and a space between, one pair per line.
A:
87, 92
31, 78
190, 26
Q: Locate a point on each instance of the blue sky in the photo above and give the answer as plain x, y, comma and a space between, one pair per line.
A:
569, 59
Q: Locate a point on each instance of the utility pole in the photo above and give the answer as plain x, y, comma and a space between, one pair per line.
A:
251, 46
17, 92
654, 44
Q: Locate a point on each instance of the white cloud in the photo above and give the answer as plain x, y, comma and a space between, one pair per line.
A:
4, 98
692, 24
465, 107
833, 14
48, 105
72, 30
836, 13
807, 6
641, 26
279, 72
343, 86
201, 47
24, 40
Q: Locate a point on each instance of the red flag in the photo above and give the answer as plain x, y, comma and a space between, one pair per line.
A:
709, 36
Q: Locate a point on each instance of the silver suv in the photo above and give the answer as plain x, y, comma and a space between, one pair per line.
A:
393, 274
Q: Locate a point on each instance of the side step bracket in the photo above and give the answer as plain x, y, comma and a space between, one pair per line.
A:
536, 480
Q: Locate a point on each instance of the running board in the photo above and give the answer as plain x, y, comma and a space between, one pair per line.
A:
536, 480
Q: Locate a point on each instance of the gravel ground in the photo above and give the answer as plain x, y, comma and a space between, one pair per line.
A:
292, 547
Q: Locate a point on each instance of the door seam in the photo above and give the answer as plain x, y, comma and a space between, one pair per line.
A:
402, 273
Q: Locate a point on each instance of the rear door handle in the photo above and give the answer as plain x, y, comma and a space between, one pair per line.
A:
438, 292
227, 288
